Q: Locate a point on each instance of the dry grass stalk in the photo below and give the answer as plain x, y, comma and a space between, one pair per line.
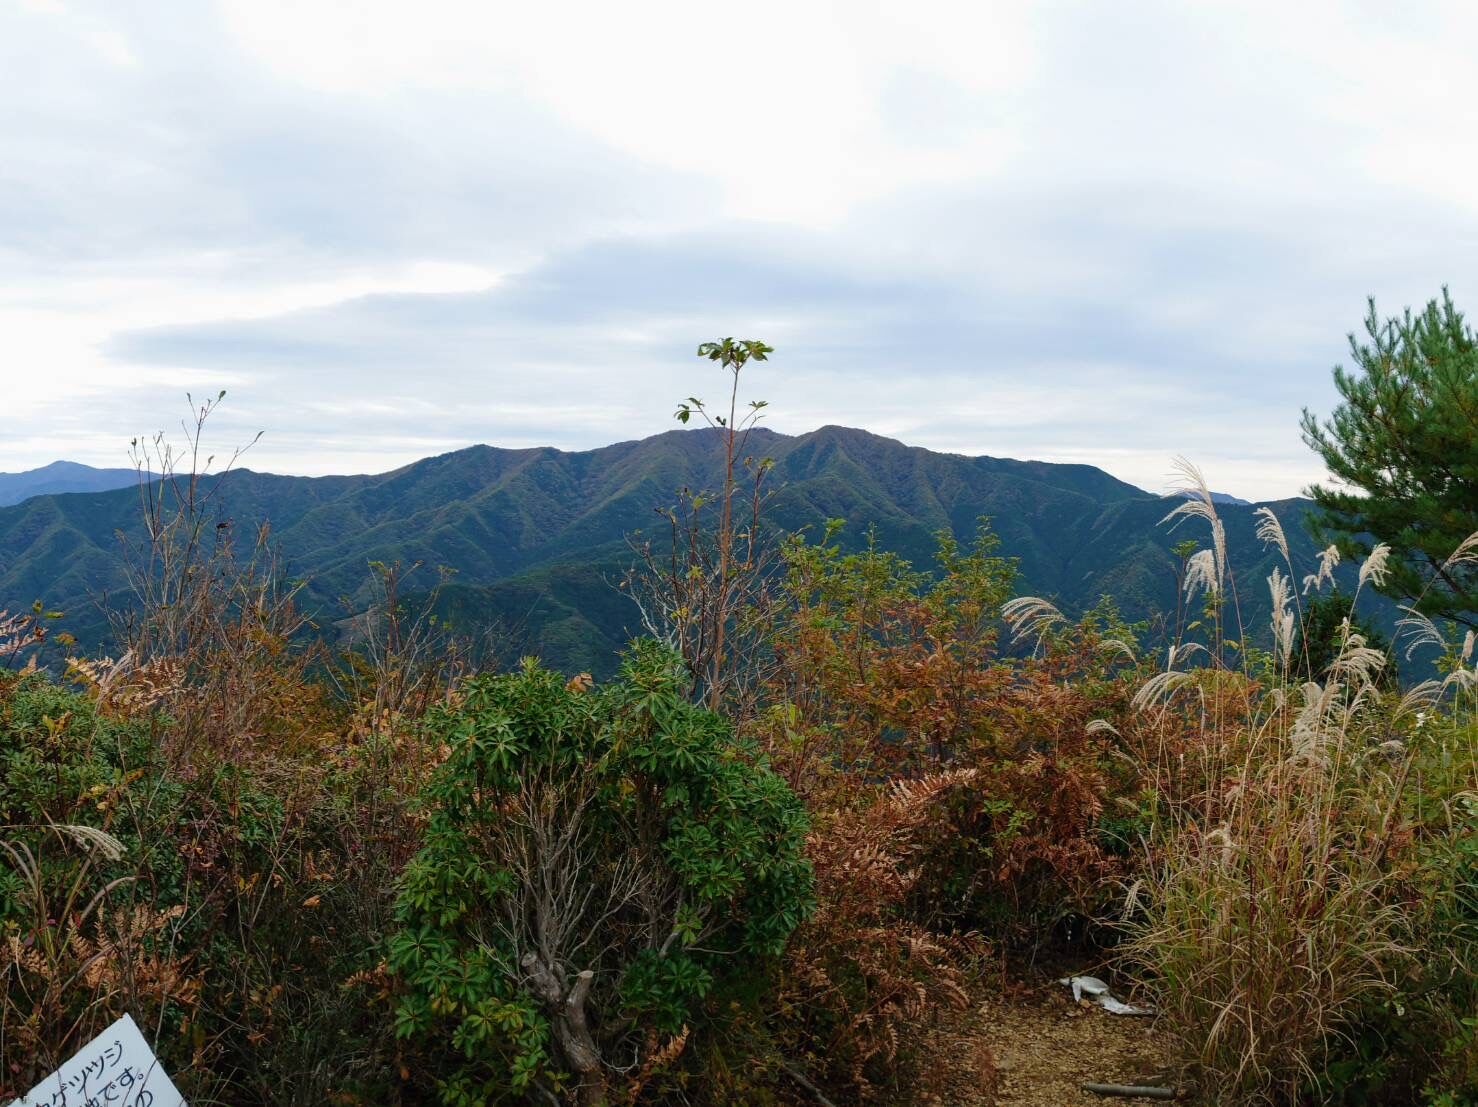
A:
1272, 908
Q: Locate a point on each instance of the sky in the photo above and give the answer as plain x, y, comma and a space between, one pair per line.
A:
1085, 232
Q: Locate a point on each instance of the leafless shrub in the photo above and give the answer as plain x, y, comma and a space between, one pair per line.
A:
706, 593
401, 656
222, 622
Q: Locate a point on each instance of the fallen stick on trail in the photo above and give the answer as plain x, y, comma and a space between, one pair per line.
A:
805, 1082
1131, 1091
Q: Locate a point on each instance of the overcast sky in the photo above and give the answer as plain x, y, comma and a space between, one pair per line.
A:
1106, 233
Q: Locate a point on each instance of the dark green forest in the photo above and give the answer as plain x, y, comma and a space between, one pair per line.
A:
536, 541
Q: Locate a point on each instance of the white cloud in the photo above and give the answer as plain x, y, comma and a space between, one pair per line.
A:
1072, 231
777, 102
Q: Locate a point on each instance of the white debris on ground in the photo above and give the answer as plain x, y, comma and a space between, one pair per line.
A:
1046, 1046
1100, 993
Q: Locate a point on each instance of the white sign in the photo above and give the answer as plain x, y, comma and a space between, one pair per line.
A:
115, 1069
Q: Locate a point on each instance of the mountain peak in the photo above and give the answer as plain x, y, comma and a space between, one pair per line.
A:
61, 477
535, 535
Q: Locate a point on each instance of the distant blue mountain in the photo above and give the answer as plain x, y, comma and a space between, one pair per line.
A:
1218, 497
59, 477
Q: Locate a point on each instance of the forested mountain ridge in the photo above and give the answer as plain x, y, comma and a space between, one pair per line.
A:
536, 537
60, 477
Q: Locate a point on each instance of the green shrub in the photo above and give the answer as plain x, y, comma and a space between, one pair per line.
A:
596, 863
91, 901
219, 909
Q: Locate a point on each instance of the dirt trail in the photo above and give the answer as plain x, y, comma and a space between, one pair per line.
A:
1044, 1046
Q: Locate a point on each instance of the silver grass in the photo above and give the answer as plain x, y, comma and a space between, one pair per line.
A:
1373, 568
1198, 504
1030, 615
1464, 680
1187, 478
1357, 662
1282, 617
1201, 574
1160, 688
1312, 728
1219, 544
99, 841
1176, 654
1131, 901
1222, 836
1357, 702
1328, 560
1467, 552
1419, 630
1119, 646
1420, 698
1270, 531
1392, 749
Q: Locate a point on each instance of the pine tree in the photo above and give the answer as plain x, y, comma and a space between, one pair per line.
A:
1403, 444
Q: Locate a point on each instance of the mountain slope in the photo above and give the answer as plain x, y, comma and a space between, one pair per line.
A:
535, 536
60, 477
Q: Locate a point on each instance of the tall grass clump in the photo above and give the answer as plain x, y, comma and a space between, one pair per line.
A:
1301, 912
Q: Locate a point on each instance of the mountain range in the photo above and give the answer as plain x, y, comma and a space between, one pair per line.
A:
536, 537
58, 477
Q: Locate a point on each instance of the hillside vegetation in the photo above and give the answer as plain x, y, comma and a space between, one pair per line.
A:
846, 785
534, 538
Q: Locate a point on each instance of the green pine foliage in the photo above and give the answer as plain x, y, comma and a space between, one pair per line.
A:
1404, 444
1321, 633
